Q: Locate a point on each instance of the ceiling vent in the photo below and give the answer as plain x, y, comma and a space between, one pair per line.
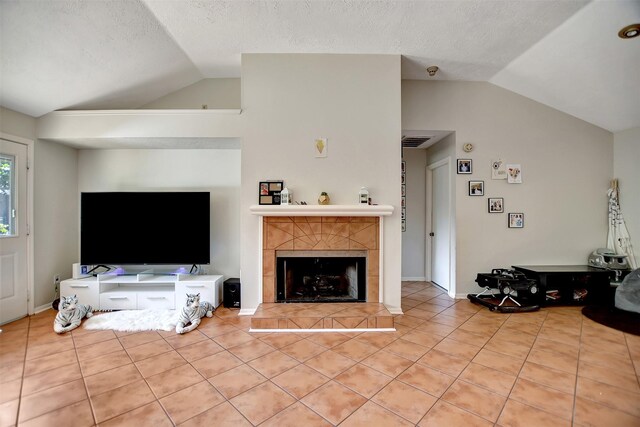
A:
414, 141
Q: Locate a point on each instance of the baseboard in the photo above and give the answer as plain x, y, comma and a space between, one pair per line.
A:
247, 311
394, 310
270, 331
461, 296
43, 308
413, 279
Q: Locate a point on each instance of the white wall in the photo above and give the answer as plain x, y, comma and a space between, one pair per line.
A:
55, 216
17, 124
217, 171
354, 101
214, 93
626, 158
413, 239
567, 164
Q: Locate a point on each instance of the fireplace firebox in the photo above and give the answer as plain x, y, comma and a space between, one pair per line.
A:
321, 276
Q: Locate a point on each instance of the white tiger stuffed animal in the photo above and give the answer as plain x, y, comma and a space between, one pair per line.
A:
70, 314
192, 312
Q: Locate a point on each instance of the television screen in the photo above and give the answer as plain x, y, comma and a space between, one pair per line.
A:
144, 228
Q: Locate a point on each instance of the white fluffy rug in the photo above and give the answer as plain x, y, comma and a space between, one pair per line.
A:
133, 320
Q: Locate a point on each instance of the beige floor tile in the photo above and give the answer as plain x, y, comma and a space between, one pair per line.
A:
99, 349
262, 402
590, 413
445, 414
121, 400
608, 376
191, 401
388, 363
108, 361
218, 363
559, 380
355, 350
541, 397
466, 337
558, 361
377, 339
9, 412
444, 362
139, 338
237, 380
46, 349
150, 414
500, 362
199, 350
300, 381
233, 339
279, 340
605, 394
328, 339
303, 350
251, 350
223, 415
76, 415
92, 338
147, 350
436, 329
458, 349
160, 363
363, 380
427, 379
407, 349
112, 379
506, 347
173, 380
516, 414
475, 399
330, 363
372, 414
422, 338
404, 400
334, 402
489, 378
11, 371
217, 329
182, 340
53, 361
273, 364
294, 416
48, 379
10, 390
51, 399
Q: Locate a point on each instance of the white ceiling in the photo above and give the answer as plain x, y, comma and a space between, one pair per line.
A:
71, 54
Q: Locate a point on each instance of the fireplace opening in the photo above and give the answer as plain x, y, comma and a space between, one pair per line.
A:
321, 276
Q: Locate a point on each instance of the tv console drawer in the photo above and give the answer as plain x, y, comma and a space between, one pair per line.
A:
118, 301
156, 300
87, 292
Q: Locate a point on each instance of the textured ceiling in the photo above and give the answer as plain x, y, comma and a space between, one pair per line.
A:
66, 54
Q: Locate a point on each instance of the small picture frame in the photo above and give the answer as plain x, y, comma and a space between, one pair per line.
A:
476, 188
269, 192
465, 166
496, 205
516, 220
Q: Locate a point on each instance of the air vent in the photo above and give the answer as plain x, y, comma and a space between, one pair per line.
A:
414, 141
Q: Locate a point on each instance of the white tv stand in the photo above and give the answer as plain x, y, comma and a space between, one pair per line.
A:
143, 290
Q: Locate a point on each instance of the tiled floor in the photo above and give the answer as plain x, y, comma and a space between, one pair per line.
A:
450, 363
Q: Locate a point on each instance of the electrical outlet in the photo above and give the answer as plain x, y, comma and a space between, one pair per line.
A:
56, 279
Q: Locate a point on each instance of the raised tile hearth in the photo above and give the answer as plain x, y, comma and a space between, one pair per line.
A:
321, 316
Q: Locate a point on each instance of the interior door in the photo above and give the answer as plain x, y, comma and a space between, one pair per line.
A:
440, 225
13, 231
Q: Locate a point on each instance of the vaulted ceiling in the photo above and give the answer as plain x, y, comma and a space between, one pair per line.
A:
73, 54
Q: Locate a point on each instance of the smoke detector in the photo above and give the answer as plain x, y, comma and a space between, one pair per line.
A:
432, 70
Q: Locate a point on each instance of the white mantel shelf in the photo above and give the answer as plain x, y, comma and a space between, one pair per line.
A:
321, 210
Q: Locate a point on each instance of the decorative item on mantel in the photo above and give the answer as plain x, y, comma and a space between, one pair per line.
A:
286, 198
324, 199
363, 196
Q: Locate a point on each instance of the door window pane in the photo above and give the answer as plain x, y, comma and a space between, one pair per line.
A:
7, 195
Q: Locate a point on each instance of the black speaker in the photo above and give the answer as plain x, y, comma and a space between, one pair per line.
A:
231, 293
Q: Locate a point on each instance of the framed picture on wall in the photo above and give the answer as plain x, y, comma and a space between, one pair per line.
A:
476, 188
269, 192
496, 205
464, 166
516, 220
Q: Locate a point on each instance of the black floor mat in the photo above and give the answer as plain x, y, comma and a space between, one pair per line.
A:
625, 321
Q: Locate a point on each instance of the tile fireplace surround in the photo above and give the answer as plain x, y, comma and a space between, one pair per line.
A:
322, 228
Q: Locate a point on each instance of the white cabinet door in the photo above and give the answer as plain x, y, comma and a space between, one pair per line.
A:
205, 289
118, 301
87, 291
156, 300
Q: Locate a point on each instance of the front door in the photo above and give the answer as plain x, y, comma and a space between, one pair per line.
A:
13, 231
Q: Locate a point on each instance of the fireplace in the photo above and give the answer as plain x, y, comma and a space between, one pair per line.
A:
321, 276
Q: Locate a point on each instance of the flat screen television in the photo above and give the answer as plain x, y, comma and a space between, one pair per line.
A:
121, 228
